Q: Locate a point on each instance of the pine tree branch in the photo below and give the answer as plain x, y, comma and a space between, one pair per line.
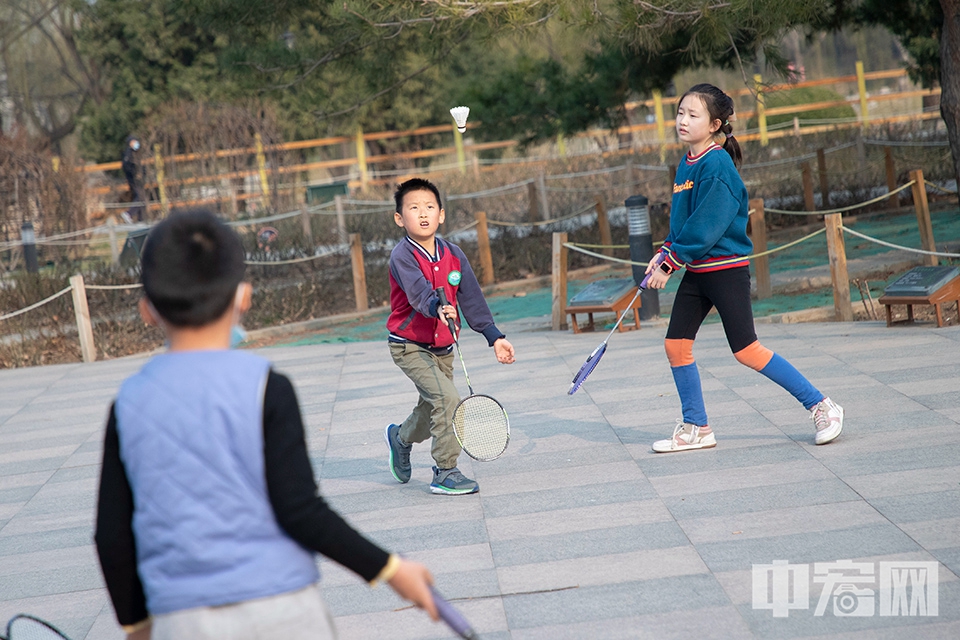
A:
696, 13
334, 54
396, 84
743, 71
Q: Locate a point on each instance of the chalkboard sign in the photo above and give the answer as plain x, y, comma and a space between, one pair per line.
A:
921, 281
603, 293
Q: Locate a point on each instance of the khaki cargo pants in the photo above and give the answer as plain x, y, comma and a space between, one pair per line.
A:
433, 416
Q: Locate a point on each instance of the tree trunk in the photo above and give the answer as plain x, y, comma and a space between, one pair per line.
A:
950, 78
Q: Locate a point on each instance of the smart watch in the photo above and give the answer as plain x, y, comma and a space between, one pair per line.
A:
666, 268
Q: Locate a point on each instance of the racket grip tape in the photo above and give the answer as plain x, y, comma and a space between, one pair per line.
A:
444, 302
452, 617
643, 283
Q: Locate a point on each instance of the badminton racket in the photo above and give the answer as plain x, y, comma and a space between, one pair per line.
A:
479, 421
27, 627
452, 617
594, 358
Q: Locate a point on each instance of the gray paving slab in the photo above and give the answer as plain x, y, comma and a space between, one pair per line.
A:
707, 623
602, 602
806, 547
579, 530
950, 558
589, 543
760, 498
549, 499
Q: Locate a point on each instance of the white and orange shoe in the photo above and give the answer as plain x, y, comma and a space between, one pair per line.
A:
686, 436
828, 418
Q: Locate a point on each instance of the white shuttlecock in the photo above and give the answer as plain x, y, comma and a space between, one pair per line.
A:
460, 116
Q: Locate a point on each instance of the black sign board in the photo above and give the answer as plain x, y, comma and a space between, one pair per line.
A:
921, 281
130, 255
603, 293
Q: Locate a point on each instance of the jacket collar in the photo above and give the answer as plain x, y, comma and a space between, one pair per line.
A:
693, 159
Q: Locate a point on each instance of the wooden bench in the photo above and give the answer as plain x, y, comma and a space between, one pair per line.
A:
617, 307
950, 292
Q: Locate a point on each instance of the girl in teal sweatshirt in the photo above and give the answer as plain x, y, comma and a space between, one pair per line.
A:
708, 238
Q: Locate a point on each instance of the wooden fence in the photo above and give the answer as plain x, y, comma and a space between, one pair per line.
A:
106, 241
833, 226
836, 253
360, 169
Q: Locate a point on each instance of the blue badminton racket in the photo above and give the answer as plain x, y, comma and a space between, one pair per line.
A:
594, 358
452, 617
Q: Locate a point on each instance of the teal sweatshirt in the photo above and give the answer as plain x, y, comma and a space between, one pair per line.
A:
708, 216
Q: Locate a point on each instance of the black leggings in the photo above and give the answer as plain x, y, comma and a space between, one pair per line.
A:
729, 291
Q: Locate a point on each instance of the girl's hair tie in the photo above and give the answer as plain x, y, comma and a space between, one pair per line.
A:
729, 135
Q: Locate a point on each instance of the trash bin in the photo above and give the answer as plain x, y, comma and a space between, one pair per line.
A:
319, 193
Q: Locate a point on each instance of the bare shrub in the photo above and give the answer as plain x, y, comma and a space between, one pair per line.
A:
35, 189
209, 159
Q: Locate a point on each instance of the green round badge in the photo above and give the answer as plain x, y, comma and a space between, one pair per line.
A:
454, 278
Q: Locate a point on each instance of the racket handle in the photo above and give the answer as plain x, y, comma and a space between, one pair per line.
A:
452, 617
643, 283
443, 302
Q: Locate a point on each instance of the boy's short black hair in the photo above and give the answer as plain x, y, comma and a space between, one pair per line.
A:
191, 264
415, 184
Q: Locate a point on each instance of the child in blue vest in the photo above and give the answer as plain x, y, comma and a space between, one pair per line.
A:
708, 236
420, 340
208, 514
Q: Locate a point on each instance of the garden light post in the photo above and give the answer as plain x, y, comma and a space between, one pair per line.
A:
29, 239
641, 250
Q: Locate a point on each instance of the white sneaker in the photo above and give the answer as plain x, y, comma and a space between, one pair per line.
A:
828, 418
685, 436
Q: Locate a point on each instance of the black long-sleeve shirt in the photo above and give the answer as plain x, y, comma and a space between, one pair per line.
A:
291, 486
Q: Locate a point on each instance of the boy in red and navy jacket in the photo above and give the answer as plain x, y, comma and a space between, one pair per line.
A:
420, 341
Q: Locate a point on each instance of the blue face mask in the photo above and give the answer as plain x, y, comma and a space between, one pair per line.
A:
238, 336
136, 145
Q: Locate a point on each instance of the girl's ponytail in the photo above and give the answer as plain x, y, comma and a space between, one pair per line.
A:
730, 144
732, 147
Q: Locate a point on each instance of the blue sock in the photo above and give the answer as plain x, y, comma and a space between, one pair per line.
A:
687, 379
785, 375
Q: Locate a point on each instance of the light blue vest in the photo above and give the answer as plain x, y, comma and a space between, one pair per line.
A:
191, 441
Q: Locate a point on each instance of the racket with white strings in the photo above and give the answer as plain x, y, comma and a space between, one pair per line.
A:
26, 627
594, 358
479, 422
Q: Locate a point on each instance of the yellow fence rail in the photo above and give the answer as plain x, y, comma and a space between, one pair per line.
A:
362, 167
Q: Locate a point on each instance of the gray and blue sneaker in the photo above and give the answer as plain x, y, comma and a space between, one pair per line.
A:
399, 454
452, 482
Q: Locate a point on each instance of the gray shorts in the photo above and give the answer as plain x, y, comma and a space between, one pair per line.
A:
298, 615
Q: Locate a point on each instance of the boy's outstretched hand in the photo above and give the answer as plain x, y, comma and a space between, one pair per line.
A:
412, 582
504, 351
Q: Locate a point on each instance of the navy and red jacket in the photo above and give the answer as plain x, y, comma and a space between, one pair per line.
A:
414, 277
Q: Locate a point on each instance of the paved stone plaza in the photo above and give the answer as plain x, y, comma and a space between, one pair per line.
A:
579, 531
